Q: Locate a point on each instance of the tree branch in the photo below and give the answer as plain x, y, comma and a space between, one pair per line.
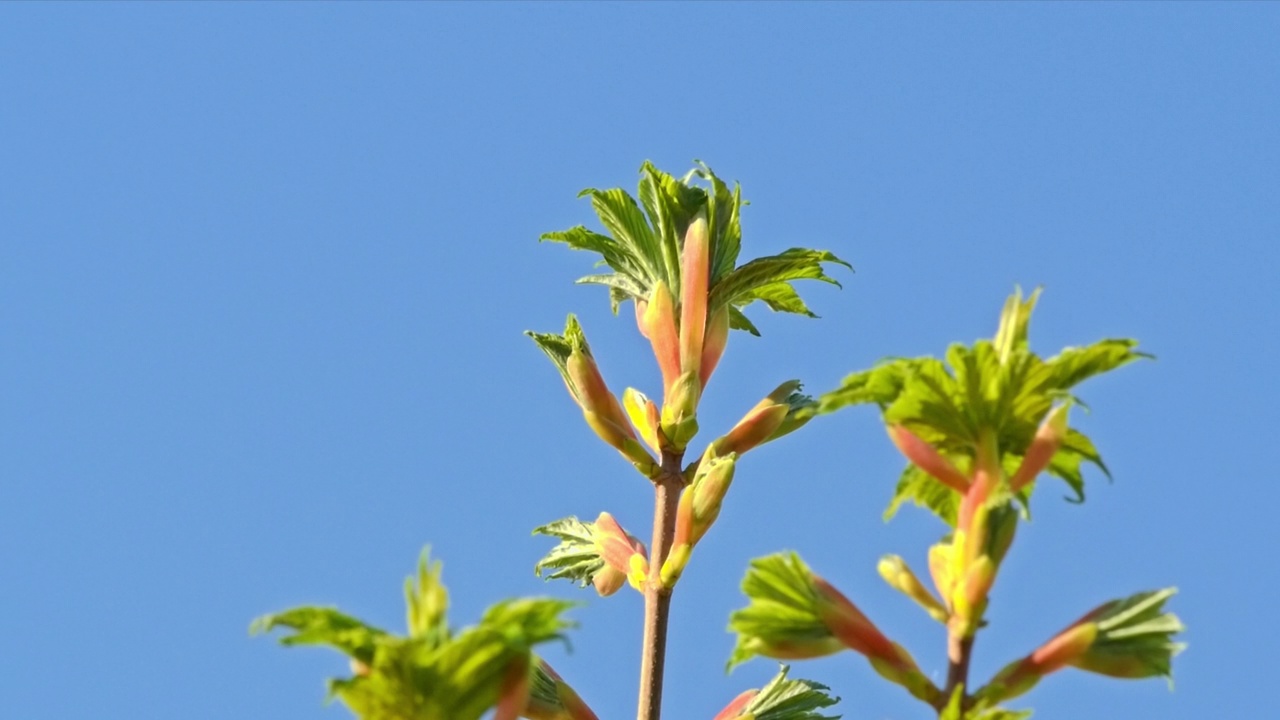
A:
657, 599
959, 652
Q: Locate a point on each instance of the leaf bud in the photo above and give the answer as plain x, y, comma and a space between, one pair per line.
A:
1048, 438
899, 576
714, 343
695, 279
679, 422
927, 458
659, 325
734, 709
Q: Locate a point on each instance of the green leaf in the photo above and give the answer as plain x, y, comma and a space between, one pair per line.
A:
918, 487
433, 674
620, 214
879, 385
781, 297
1011, 334
670, 204
784, 699
998, 387
626, 286
427, 603
782, 610
723, 211
324, 626
789, 265
645, 241
1075, 365
612, 254
576, 558
559, 347
738, 321
1135, 637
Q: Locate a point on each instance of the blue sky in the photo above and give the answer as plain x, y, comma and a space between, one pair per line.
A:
264, 271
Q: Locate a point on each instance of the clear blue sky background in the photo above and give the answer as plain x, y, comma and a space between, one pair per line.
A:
264, 271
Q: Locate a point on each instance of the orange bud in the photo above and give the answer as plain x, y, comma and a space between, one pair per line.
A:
608, 581
760, 423
752, 430
513, 693
623, 555
849, 625
612, 433
641, 306
1042, 449
659, 323
924, 456
588, 385
614, 544
713, 344
695, 277
735, 708
1064, 649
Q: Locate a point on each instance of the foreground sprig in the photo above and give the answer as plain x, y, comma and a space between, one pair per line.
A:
674, 254
433, 672
977, 430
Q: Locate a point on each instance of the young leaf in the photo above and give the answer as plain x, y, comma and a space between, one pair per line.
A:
427, 601
784, 699
646, 240
1130, 639
432, 674
324, 626
918, 487
998, 386
576, 558
781, 619
600, 553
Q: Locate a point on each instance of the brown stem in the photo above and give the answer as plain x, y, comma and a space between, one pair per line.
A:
959, 652
657, 599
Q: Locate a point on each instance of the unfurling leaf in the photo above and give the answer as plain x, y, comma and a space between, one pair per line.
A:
781, 699
1130, 638
794, 614
433, 673
551, 698
572, 356
651, 247
997, 387
599, 553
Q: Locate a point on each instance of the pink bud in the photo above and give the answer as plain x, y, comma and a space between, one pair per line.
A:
513, 693
1042, 449
849, 625
615, 545
735, 708
924, 456
641, 306
1064, 649
695, 278
659, 324
717, 338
